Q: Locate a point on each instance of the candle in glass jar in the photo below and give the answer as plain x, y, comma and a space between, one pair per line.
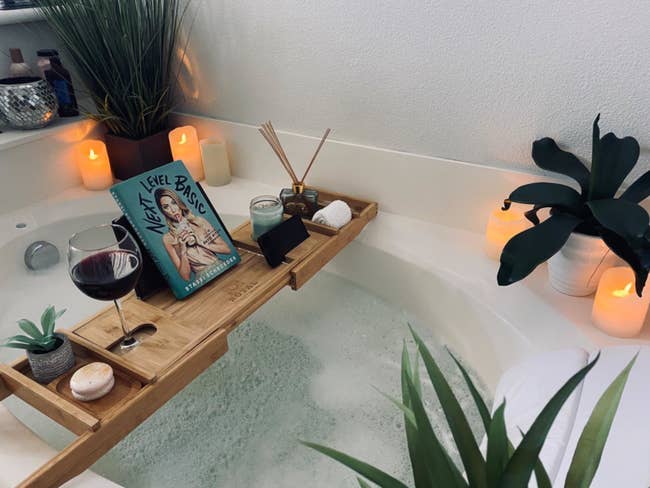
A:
266, 213
617, 309
93, 165
501, 227
184, 144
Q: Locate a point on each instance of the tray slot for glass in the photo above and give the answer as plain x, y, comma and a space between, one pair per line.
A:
182, 339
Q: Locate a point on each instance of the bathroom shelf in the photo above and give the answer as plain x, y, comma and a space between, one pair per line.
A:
187, 336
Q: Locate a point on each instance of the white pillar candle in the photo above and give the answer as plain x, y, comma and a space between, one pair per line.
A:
215, 162
94, 166
617, 309
184, 144
501, 227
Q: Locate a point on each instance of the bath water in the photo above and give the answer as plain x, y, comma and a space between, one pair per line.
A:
302, 367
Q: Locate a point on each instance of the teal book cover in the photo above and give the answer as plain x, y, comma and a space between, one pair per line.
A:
177, 226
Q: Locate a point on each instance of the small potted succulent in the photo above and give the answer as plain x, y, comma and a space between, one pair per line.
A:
587, 230
49, 353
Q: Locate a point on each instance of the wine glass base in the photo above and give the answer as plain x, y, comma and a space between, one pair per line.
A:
129, 343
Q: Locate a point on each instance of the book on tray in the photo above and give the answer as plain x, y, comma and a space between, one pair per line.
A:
178, 226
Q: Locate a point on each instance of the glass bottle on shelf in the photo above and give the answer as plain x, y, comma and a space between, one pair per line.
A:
59, 78
299, 200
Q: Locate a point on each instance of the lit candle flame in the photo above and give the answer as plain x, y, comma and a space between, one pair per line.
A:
92, 155
624, 291
183, 138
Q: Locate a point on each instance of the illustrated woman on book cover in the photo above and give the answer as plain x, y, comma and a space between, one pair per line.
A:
192, 243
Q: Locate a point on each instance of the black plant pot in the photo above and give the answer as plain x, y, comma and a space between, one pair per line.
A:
130, 157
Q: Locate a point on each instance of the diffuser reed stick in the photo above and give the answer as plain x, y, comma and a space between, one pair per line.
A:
322, 141
268, 132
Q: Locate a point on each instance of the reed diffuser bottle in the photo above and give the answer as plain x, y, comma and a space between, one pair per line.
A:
297, 200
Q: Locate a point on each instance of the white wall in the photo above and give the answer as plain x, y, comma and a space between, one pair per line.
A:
474, 81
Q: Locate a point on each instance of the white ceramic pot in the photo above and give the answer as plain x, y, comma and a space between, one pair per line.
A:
577, 267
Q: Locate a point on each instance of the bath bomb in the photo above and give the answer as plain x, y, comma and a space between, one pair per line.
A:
91, 382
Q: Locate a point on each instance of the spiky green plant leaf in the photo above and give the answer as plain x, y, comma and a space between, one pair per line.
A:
497, 447
126, 52
459, 426
522, 462
362, 483
591, 443
369, 472
482, 408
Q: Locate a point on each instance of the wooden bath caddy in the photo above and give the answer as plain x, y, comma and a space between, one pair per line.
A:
189, 336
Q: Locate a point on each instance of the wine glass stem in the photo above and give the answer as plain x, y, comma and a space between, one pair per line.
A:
125, 328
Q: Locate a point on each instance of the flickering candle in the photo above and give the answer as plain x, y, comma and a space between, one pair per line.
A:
215, 162
501, 227
617, 309
184, 144
93, 165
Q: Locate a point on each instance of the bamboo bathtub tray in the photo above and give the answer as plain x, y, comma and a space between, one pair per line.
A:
189, 336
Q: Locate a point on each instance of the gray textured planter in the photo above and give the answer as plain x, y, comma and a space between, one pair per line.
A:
51, 365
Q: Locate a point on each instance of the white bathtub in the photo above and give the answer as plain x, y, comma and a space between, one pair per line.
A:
438, 274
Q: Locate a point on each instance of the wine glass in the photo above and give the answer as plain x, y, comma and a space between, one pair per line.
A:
105, 263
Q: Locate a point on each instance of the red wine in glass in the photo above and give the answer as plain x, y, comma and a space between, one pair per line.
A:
105, 264
107, 275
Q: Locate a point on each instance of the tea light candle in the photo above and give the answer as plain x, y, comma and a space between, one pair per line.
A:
501, 227
266, 213
215, 162
184, 144
93, 165
617, 309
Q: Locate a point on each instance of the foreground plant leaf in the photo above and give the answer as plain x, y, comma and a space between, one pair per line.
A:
520, 467
423, 473
482, 408
463, 436
528, 249
369, 472
591, 443
497, 447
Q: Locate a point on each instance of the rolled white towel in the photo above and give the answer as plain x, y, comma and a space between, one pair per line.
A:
336, 214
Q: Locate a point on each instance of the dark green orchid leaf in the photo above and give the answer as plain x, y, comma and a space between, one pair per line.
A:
635, 258
522, 462
591, 443
531, 214
616, 158
530, 248
547, 155
547, 194
467, 447
639, 190
497, 447
627, 219
375, 475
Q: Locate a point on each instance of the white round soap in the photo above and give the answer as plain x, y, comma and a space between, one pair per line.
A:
91, 382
